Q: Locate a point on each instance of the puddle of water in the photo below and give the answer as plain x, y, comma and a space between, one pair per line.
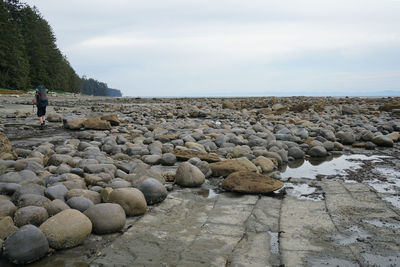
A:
331, 166
394, 200
380, 223
385, 187
302, 192
207, 193
353, 234
378, 260
274, 242
332, 262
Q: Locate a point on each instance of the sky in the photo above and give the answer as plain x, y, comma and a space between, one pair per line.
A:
231, 47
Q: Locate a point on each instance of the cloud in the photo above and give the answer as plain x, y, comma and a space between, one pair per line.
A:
224, 45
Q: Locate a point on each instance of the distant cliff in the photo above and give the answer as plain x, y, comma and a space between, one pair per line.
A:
94, 87
114, 92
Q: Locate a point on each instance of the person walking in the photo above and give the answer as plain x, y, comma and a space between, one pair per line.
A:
41, 102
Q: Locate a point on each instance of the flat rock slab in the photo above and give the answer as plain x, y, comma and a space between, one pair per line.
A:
251, 182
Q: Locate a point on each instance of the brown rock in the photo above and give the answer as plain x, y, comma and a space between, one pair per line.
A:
96, 123
188, 154
6, 150
131, 200
250, 182
7, 227
74, 124
112, 118
66, 229
226, 167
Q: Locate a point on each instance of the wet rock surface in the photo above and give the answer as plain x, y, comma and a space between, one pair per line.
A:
337, 158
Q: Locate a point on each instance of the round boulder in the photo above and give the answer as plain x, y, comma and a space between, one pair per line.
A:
26, 245
188, 175
67, 229
383, 140
131, 200
30, 215
296, 153
7, 208
56, 192
56, 206
79, 203
153, 191
318, 151
106, 218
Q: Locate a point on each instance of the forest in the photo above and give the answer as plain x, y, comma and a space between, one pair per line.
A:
29, 55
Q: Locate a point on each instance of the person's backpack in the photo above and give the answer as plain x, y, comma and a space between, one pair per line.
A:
41, 96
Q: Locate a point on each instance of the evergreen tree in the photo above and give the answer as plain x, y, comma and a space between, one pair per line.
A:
14, 66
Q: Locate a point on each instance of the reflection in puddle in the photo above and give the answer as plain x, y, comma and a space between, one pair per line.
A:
378, 260
207, 193
394, 200
380, 223
352, 235
326, 166
302, 191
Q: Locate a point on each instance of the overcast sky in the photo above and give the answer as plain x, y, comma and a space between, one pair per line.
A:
231, 47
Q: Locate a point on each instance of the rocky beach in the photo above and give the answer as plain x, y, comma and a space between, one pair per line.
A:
262, 181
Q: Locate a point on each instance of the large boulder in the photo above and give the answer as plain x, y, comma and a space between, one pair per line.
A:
56, 192
153, 191
6, 151
188, 175
26, 245
318, 151
383, 140
7, 227
95, 123
226, 167
7, 208
54, 117
30, 215
67, 229
80, 203
106, 218
346, 138
73, 123
296, 153
131, 200
266, 164
250, 182
56, 206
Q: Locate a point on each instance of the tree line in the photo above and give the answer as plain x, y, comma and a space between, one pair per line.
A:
29, 55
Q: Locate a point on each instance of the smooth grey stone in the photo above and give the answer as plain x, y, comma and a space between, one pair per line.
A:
26, 245
77, 171
119, 183
106, 218
318, 151
30, 215
168, 159
56, 192
29, 188
151, 159
79, 203
32, 200
9, 188
296, 153
153, 191
383, 140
